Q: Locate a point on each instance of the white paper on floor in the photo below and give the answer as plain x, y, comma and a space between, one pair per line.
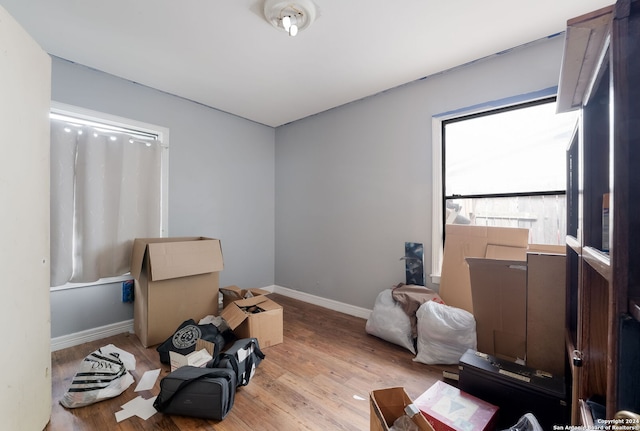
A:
137, 407
148, 380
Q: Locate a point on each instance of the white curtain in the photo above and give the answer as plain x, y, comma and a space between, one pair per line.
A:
105, 192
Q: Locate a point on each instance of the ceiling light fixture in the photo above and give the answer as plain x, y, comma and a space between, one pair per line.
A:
291, 16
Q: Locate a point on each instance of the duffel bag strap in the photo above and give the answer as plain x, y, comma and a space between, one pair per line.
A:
250, 360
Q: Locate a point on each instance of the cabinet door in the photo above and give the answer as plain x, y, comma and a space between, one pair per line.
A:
25, 359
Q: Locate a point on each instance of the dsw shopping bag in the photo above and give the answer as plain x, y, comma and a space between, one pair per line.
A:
102, 375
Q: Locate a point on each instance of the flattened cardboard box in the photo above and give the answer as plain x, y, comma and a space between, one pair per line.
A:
234, 293
546, 311
464, 241
265, 325
500, 306
519, 308
387, 405
176, 279
485, 271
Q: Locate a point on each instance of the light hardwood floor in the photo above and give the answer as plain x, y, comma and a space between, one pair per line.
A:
319, 378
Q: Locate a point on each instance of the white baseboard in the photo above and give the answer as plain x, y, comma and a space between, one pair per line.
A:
92, 334
351, 310
101, 332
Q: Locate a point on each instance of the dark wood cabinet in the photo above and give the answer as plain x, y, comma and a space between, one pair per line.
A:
601, 78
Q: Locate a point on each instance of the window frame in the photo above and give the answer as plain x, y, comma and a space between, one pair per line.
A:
437, 160
134, 125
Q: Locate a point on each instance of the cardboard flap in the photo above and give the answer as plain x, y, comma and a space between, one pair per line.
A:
547, 249
139, 250
137, 257
509, 346
262, 301
233, 315
508, 236
184, 258
464, 241
232, 289
499, 305
502, 252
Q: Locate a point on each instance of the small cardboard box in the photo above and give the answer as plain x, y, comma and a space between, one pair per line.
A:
447, 408
258, 317
234, 293
389, 404
176, 279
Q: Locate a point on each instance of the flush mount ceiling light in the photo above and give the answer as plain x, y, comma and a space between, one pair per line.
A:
291, 16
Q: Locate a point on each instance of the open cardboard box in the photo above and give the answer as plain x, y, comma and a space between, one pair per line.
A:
234, 293
257, 317
515, 290
387, 405
176, 279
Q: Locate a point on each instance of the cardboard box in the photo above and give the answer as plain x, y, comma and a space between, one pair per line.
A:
176, 279
546, 311
447, 408
519, 308
499, 291
258, 317
234, 293
510, 321
463, 241
389, 404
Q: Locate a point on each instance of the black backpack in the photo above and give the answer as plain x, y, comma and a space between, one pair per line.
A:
184, 339
243, 357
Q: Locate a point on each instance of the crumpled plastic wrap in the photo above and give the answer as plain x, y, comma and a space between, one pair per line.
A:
389, 322
444, 333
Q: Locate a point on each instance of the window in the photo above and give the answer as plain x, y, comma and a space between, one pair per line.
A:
504, 167
108, 186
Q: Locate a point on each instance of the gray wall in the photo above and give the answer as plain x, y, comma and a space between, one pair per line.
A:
221, 185
323, 205
353, 184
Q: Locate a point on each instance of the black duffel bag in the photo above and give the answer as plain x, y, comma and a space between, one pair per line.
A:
184, 339
206, 393
243, 357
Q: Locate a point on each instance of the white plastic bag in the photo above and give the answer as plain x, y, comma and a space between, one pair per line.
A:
444, 333
101, 375
389, 322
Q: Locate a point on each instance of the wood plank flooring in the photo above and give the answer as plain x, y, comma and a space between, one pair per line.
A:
318, 379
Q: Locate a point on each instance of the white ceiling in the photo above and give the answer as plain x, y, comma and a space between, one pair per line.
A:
224, 54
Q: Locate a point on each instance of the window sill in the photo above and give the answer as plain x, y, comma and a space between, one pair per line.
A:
108, 280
